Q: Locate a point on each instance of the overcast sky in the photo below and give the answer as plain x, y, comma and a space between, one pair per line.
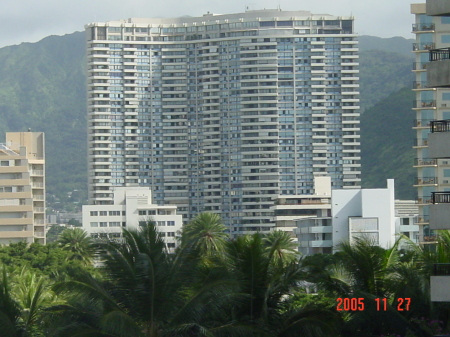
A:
32, 20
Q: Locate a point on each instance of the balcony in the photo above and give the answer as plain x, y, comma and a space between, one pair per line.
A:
421, 143
424, 104
426, 181
422, 27
438, 70
422, 162
422, 123
440, 210
420, 65
423, 220
424, 200
420, 85
440, 283
439, 139
423, 46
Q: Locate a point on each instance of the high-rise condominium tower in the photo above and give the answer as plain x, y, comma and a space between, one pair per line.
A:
222, 113
432, 108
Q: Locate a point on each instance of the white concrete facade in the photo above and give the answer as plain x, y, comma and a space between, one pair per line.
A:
222, 113
364, 213
349, 214
132, 207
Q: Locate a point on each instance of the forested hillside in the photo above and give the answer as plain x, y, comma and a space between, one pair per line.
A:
42, 87
387, 138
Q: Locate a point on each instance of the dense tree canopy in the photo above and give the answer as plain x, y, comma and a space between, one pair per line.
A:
214, 285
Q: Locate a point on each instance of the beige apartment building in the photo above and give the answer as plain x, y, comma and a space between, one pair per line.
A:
22, 188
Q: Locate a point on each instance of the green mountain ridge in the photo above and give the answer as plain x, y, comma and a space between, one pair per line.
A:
386, 144
43, 87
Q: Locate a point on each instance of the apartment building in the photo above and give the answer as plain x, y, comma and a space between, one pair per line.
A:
222, 113
432, 105
433, 25
22, 188
131, 208
290, 209
320, 222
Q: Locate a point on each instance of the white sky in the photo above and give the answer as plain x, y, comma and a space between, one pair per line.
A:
32, 20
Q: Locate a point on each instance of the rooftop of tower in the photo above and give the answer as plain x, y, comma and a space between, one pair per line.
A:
209, 18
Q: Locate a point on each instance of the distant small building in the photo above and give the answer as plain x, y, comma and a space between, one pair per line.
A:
289, 209
132, 206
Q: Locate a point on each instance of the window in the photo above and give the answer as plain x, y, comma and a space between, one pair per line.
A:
94, 213
94, 224
170, 245
142, 212
114, 213
114, 224
103, 224
161, 223
445, 20
103, 213
171, 234
447, 173
170, 223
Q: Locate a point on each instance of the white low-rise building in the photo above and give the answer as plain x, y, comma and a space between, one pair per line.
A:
132, 207
320, 222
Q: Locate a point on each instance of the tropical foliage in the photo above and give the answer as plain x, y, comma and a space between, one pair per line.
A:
214, 285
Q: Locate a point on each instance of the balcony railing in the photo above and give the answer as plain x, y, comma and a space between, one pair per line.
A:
422, 27
440, 197
424, 104
423, 46
39, 234
421, 142
429, 238
423, 219
424, 200
440, 125
441, 269
422, 123
426, 181
419, 66
425, 162
439, 54
420, 84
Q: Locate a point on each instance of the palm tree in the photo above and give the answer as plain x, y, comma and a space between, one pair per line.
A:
367, 271
281, 247
33, 295
9, 310
77, 241
205, 237
268, 271
146, 292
